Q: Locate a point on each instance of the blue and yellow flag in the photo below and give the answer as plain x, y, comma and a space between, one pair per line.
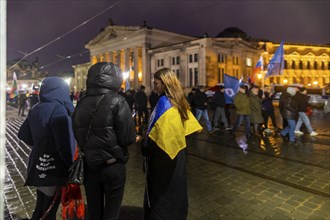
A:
167, 130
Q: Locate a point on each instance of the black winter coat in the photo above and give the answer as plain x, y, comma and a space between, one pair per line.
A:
302, 101
112, 129
200, 100
289, 107
219, 99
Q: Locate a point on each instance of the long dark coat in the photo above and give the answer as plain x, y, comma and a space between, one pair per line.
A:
166, 188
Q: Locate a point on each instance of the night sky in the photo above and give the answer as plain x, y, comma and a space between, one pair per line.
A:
32, 24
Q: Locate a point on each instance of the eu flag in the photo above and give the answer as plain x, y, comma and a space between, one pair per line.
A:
232, 85
276, 64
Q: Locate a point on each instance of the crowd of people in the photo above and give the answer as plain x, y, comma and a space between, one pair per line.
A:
254, 106
104, 123
101, 127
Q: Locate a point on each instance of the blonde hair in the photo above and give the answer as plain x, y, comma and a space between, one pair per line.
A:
174, 91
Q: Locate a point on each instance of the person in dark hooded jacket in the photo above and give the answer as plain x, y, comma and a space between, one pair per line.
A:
103, 128
48, 129
289, 111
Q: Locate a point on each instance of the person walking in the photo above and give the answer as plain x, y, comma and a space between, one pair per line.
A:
243, 111
104, 128
130, 99
164, 150
268, 109
22, 103
201, 104
220, 104
141, 102
190, 97
301, 99
289, 112
48, 129
256, 111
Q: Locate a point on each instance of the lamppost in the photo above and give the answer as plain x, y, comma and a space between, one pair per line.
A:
259, 76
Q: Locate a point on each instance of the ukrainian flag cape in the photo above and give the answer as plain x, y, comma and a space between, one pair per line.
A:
166, 128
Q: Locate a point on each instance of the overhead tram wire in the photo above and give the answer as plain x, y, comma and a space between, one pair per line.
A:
64, 58
66, 33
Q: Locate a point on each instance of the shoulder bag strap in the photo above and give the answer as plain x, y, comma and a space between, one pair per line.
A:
90, 124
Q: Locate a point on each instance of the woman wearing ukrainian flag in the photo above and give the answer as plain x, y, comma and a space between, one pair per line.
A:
164, 150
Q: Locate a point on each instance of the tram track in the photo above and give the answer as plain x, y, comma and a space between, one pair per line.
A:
287, 182
266, 154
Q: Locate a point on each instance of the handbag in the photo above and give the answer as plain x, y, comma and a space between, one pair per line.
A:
76, 170
309, 111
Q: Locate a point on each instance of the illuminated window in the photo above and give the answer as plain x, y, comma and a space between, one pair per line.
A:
248, 61
221, 58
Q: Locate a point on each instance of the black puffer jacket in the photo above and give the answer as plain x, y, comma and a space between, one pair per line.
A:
112, 129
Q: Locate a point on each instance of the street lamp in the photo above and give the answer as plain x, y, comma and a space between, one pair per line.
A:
68, 81
126, 75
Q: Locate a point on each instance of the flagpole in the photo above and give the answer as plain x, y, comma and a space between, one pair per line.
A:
263, 82
282, 55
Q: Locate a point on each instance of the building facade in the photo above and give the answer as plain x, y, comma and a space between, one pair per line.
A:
308, 65
140, 51
28, 74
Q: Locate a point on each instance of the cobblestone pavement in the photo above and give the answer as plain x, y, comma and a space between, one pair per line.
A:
228, 178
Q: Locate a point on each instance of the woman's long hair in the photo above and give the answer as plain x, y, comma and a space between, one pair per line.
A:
174, 91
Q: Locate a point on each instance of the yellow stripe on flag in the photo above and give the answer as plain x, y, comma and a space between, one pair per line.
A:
170, 134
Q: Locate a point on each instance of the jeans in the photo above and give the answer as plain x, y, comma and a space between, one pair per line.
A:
289, 130
104, 189
239, 120
303, 118
220, 111
204, 113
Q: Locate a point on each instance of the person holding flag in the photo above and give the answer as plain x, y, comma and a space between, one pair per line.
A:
276, 64
164, 150
232, 85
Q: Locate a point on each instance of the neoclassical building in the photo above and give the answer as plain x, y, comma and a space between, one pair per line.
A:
304, 64
141, 50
